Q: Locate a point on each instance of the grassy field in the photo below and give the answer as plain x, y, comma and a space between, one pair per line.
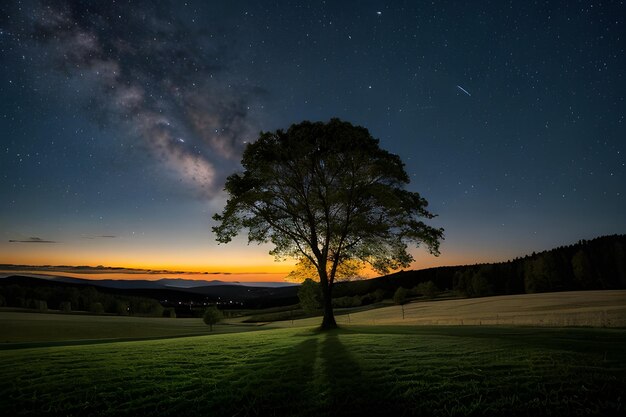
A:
575, 308
376, 364
358, 370
562, 309
22, 329
588, 308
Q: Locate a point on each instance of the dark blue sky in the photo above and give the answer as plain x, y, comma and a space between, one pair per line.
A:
119, 122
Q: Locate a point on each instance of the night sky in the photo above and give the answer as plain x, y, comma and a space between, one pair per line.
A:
120, 121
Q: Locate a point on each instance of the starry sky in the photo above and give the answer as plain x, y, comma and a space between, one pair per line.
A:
120, 120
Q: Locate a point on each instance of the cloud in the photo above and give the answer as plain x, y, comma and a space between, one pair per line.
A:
171, 86
32, 240
99, 237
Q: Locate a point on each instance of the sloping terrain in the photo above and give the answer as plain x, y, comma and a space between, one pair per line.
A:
575, 308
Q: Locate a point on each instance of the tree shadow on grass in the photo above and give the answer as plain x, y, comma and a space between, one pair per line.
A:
317, 376
279, 384
345, 389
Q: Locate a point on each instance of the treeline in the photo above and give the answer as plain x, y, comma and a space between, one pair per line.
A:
597, 264
75, 298
426, 289
587, 265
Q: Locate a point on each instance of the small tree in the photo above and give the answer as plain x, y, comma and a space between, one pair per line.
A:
428, 289
120, 308
212, 316
96, 308
326, 194
378, 295
310, 296
41, 305
65, 306
399, 298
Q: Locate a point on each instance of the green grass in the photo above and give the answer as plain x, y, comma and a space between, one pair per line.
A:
357, 370
395, 367
25, 329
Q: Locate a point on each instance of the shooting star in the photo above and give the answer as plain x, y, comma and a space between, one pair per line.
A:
464, 90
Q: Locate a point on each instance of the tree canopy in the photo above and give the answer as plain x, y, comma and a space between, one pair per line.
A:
326, 194
212, 316
309, 295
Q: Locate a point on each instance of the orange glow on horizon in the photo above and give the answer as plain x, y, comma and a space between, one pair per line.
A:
116, 275
190, 262
244, 263
273, 268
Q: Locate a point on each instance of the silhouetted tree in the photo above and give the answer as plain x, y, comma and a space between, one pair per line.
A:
463, 281
428, 289
481, 282
378, 295
327, 193
41, 305
542, 274
212, 316
96, 308
399, 298
119, 307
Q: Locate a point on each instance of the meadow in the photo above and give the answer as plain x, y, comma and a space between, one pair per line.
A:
25, 329
572, 308
390, 368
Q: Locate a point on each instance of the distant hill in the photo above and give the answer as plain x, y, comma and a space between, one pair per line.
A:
151, 283
28, 292
163, 283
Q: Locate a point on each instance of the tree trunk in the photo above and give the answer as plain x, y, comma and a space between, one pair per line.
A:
329, 317
326, 283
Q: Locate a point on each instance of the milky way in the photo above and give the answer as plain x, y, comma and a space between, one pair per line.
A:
169, 85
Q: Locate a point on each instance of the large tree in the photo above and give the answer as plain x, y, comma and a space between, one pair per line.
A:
328, 194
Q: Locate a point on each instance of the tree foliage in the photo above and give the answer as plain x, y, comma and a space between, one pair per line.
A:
347, 270
310, 296
212, 316
428, 289
400, 296
584, 275
326, 194
475, 282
